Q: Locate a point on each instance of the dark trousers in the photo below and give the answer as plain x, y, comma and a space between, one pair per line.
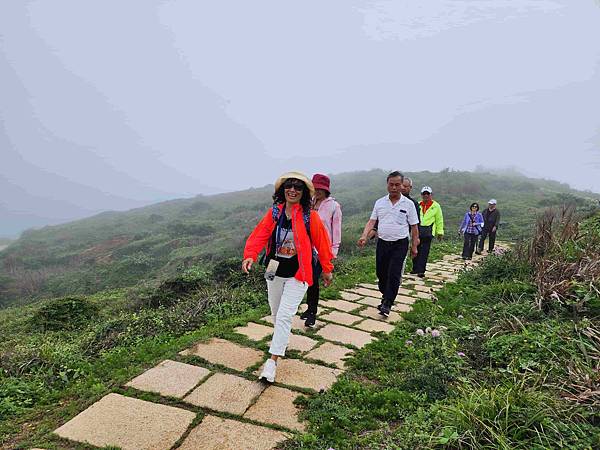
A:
312, 294
484, 234
389, 261
420, 261
469, 245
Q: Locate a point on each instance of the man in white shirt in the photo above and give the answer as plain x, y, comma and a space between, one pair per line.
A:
397, 217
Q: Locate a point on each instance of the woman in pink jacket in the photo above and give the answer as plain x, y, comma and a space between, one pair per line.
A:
331, 215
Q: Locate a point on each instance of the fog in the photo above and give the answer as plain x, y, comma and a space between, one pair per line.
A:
113, 104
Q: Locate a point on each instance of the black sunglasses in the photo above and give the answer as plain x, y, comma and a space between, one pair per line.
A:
297, 185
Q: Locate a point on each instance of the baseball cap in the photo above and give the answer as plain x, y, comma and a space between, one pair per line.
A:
492, 201
426, 189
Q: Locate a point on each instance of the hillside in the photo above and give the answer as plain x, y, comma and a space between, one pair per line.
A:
119, 249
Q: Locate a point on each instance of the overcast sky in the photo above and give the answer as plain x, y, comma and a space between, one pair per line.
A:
145, 100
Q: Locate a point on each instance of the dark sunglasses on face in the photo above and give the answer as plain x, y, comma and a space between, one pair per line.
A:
297, 185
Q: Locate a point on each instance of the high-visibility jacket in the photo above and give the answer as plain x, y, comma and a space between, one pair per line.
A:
304, 243
433, 216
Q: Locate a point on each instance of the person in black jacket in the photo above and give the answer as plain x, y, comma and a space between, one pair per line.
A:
491, 219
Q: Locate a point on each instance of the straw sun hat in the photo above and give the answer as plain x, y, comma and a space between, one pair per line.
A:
298, 176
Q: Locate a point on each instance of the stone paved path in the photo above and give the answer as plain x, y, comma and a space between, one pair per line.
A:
224, 406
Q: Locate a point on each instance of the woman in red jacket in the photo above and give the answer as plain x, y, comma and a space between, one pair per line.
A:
289, 231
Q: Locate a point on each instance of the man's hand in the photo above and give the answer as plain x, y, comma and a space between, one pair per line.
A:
493, 229
327, 278
362, 242
413, 251
247, 265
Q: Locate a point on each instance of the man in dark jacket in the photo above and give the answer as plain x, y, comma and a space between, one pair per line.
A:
491, 219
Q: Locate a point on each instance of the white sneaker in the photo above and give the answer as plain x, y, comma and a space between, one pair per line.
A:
269, 371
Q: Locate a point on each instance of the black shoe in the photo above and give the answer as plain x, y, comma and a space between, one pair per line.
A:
421, 275
379, 306
412, 272
304, 315
384, 310
310, 321
478, 252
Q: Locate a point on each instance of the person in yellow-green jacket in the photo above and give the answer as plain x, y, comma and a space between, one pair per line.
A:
432, 224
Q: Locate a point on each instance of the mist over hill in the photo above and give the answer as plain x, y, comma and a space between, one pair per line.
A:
118, 249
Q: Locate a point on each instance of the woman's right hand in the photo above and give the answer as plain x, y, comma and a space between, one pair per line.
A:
247, 265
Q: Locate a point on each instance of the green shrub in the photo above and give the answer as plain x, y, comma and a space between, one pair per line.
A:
65, 313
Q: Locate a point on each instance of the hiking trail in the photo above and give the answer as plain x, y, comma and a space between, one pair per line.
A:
228, 407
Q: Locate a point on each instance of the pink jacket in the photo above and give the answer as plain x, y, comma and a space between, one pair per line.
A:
331, 215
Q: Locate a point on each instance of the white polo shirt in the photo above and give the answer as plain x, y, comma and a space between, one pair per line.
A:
394, 220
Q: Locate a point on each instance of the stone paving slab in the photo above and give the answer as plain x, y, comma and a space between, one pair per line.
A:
330, 353
372, 326
401, 307
297, 323
407, 300
341, 317
424, 295
300, 343
276, 406
215, 433
128, 423
363, 292
294, 372
369, 286
350, 296
169, 378
342, 305
255, 331
414, 282
345, 335
371, 301
226, 353
373, 313
404, 291
226, 393
420, 288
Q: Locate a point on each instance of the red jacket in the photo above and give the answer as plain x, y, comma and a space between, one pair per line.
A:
319, 238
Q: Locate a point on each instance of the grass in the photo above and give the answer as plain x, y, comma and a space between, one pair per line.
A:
502, 374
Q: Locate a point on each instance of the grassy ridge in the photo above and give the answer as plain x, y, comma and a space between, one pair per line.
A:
114, 250
504, 373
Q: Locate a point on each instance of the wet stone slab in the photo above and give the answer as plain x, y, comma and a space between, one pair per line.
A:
226, 353
215, 433
341, 305
372, 326
169, 378
255, 331
226, 393
341, 317
373, 313
128, 423
294, 372
345, 335
330, 353
276, 406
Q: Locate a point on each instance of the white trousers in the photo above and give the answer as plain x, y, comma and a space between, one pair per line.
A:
285, 295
